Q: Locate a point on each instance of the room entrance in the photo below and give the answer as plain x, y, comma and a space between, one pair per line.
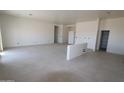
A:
104, 40
55, 34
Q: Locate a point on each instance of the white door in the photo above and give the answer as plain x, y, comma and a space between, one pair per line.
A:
71, 37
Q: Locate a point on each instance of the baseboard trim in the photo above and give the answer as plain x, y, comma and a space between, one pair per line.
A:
26, 46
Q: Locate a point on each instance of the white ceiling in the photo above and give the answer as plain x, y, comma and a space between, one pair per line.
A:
65, 16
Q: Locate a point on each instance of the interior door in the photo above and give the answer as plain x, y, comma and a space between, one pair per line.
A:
104, 40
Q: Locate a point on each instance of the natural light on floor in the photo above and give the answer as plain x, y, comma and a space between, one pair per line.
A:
2, 53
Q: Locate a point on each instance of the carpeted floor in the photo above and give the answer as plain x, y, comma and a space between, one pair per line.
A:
48, 63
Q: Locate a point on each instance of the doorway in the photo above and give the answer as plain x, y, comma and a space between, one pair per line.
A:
104, 40
55, 34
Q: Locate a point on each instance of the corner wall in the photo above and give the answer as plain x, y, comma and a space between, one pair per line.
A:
116, 36
86, 32
90, 32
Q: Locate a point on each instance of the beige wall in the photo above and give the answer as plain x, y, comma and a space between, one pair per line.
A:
116, 37
87, 32
17, 31
90, 32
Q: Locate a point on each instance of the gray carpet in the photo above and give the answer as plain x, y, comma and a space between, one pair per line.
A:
48, 63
